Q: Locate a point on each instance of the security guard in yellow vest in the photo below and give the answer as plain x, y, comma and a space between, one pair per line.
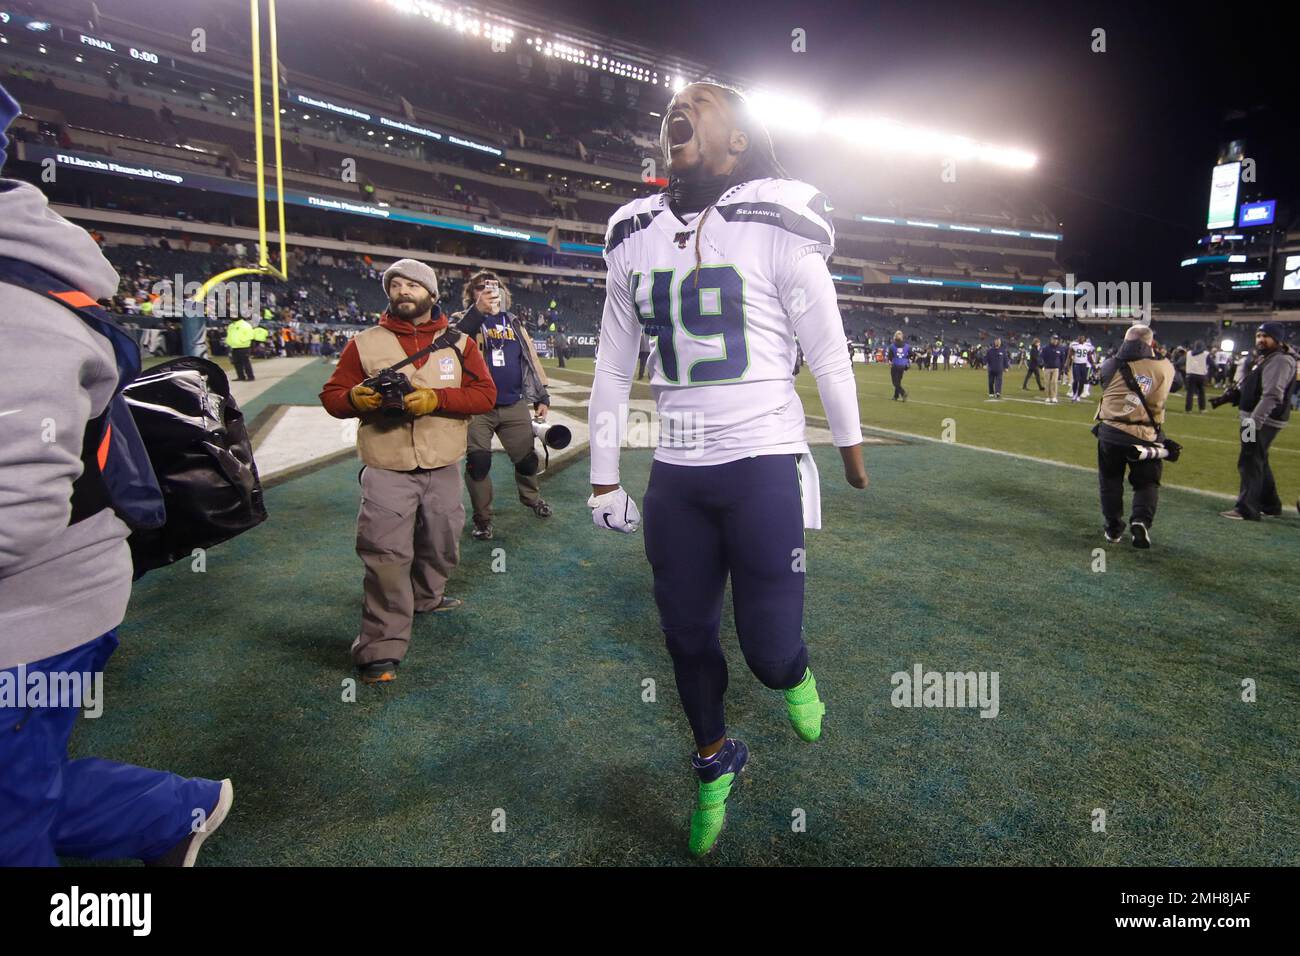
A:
239, 339
411, 517
1127, 440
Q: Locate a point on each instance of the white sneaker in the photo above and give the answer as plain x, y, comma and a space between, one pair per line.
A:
184, 853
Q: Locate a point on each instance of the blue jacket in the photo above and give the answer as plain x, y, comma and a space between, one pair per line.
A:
899, 354
1052, 356
996, 359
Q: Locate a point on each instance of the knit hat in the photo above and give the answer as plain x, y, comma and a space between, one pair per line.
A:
9, 111
416, 272
1274, 330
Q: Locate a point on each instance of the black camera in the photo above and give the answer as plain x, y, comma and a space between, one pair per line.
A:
1230, 396
393, 387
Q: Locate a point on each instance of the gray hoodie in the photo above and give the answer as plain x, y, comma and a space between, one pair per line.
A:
60, 585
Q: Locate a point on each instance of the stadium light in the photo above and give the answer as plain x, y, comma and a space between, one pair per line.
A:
777, 111
895, 137
1227, 345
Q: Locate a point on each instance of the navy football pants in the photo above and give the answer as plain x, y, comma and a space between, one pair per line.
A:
1080, 370
51, 806
744, 518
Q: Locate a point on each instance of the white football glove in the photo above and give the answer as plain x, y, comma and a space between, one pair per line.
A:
615, 511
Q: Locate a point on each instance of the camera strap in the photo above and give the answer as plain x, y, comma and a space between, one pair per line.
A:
447, 340
1131, 381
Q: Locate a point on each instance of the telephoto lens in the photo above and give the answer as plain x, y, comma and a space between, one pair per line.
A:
1147, 452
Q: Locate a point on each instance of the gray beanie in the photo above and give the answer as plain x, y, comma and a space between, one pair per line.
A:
416, 272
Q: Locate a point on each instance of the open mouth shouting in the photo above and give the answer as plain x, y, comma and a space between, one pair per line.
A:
680, 130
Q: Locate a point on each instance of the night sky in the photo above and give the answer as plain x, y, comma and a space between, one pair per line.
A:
1125, 138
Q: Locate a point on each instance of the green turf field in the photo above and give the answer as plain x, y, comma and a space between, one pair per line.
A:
1021, 424
1120, 690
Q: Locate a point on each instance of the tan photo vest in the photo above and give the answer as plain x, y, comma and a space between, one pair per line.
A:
404, 444
1121, 408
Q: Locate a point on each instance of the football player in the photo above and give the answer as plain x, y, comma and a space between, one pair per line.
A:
724, 269
1081, 362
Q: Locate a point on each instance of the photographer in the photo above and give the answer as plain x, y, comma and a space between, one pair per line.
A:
1135, 385
413, 431
521, 393
1264, 399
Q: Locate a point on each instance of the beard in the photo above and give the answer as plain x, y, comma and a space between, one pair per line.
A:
406, 307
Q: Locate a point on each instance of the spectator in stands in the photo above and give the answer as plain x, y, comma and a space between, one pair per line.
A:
65, 566
1052, 358
998, 362
1196, 367
521, 394
411, 516
1034, 363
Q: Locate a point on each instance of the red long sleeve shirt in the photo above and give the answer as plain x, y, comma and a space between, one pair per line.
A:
477, 394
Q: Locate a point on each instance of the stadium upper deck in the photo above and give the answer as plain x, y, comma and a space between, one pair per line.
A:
528, 154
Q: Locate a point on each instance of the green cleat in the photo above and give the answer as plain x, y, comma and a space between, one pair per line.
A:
717, 777
805, 708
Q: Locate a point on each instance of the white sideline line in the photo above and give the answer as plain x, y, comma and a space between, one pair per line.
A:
1220, 495
1059, 421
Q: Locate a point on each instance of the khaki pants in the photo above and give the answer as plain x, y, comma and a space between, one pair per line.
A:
408, 537
1052, 379
514, 425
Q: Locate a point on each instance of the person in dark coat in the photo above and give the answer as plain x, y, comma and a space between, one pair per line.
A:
1035, 362
997, 362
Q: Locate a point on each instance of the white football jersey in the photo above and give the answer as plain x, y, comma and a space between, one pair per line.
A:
1080, 352
724, 324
